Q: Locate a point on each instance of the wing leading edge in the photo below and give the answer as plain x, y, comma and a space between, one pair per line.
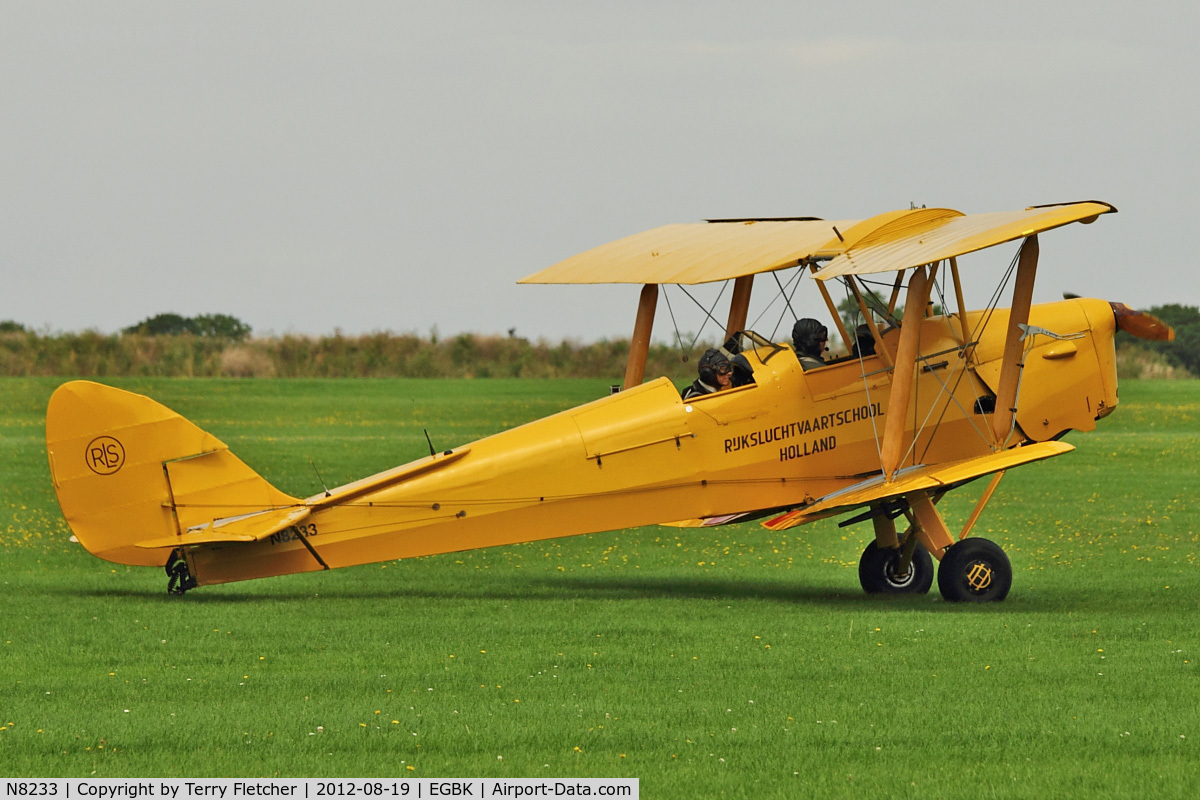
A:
719, 250
915, 479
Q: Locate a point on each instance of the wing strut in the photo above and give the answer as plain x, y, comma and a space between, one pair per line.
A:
902, 376
833, 312
891, 307
739, 306
929, 525
1010, 369
880, 350
639, 345
979, 506
962, 306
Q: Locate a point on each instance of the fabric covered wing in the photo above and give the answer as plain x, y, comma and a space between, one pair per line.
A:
924, 237
694, 253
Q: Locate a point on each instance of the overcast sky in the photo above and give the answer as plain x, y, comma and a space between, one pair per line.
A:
397, 166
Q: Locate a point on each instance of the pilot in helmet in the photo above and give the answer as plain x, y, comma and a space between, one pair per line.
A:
715, 374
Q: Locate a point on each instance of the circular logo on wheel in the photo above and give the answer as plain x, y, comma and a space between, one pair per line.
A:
104, 455
979, 576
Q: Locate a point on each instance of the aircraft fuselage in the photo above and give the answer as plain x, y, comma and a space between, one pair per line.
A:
645, 456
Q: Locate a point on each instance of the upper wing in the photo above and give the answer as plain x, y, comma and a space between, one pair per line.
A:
724, 249
699, 252
929, 235
916, 479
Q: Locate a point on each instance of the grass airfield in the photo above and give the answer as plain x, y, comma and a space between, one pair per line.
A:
730, 662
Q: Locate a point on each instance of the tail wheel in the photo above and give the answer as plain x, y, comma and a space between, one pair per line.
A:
974, 571
179, 577
879, 571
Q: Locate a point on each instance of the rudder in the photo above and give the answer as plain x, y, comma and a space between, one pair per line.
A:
129, 470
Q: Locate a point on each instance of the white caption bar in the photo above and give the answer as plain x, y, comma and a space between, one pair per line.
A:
312, 788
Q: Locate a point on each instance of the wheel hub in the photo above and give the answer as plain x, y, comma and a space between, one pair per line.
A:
979, 576
895, 576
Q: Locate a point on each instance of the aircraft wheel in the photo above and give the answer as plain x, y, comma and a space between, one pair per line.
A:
878, 567
974, 571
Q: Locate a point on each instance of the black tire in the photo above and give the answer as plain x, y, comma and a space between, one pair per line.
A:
975, 571
877, 571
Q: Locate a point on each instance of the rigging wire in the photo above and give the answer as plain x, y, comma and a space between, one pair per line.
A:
707, 312
862, 369
786, 300
800, 273
961, 372
674, 324
794, 279
875, 301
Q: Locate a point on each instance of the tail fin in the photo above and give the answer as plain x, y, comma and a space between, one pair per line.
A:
135, 480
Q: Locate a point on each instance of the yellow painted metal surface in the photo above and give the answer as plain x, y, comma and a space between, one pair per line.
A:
1059, 393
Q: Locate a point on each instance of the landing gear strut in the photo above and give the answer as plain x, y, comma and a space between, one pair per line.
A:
179, 578
971, 570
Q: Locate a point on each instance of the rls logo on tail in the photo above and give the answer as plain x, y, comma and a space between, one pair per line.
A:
104, 455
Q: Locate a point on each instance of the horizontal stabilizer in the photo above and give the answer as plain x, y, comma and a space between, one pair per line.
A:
707, 522
243, 528
915, 479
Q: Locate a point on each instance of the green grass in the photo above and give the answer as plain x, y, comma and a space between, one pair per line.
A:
730, 662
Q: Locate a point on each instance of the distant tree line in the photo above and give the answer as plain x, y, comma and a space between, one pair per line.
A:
214, 345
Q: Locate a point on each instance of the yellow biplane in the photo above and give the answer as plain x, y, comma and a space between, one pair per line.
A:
943, 399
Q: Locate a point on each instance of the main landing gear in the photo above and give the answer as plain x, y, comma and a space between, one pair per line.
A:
896, 570
975, 571
971, 570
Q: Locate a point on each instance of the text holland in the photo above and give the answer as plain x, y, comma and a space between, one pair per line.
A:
782, 433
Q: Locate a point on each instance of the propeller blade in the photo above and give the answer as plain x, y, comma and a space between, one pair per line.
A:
1141, 324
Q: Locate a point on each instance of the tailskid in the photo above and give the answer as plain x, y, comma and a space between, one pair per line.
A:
179, 577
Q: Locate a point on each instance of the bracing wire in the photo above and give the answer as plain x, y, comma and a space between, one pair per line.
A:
786, 300
862, 370
961, 372
707, 311
794, 283
674, 324
788, 303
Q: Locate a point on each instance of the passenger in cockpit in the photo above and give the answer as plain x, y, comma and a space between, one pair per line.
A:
809, 340
864, 342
